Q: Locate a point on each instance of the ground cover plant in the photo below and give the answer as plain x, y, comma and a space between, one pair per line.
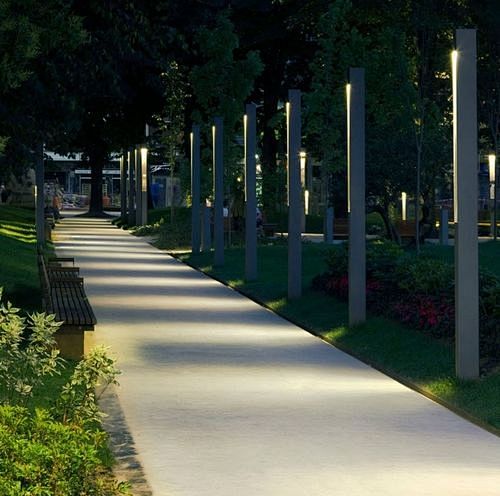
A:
412, 356
18, 266
417, 291
169, 233
50, 444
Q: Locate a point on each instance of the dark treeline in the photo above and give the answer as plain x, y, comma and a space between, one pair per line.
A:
86, 76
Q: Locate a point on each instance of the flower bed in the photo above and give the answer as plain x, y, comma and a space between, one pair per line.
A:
417, 291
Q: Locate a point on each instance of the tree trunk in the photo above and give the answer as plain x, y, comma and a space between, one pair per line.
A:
96, 161
391, 231
269, 151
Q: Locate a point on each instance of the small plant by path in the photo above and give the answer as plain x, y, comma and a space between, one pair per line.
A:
56, 449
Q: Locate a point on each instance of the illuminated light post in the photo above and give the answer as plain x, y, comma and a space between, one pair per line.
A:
144, 185
206, 228
138, 186
218, 180
465, 204
303, 182
40, 197
131, 189
195, 189
294, 189
403, 206
355, 94
443, 226
123, 186
493, 193
249, 128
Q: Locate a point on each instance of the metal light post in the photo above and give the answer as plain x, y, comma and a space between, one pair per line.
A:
138, 186
295, 209
123, 186
40, 197
218, 172
195, 189
144, 185
131, 173
465, 204
355, 93
493, 193
305, 192
249, 128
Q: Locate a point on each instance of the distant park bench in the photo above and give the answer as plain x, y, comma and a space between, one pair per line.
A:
269, 229
340, 227
406, 229
64, 296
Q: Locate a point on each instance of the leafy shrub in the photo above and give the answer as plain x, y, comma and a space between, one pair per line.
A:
51, 453
424, 275
39, 456
24, 363
171, 236
336, 259
77, 402
381, 257
416, 291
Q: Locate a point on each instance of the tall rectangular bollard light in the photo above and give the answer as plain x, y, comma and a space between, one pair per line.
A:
443, 226
206, 230
356, 195
294, 195
218, 166
40, 196
249, 125
131, 188
328, 228
123, 186
195, 189
138, 190
465, 204
144, 185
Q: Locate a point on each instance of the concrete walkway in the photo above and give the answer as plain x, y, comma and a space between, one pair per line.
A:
224, 398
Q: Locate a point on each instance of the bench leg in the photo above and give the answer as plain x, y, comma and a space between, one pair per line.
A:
73, 343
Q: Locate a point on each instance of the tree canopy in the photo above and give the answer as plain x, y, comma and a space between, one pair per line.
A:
86, 76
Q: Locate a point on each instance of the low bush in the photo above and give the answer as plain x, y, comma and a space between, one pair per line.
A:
40, 456
56, 451
418, 291
169, 235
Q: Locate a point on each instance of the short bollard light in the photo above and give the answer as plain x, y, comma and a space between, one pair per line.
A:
144, 162
492, 173
493, 193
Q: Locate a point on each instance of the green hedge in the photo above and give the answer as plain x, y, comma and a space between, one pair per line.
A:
418, 291
40, 456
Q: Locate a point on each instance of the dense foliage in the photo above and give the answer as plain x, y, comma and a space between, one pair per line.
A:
55, 451
100, 71
418, 291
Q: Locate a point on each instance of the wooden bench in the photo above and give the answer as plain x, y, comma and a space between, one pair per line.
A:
340, 227
269, 229
406, 229
64, 296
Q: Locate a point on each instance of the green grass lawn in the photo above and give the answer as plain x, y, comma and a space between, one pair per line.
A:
18, 263
407, 354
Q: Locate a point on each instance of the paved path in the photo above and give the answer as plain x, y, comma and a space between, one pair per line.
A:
223, 398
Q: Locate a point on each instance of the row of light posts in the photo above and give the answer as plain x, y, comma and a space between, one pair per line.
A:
465, 197
134, 185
